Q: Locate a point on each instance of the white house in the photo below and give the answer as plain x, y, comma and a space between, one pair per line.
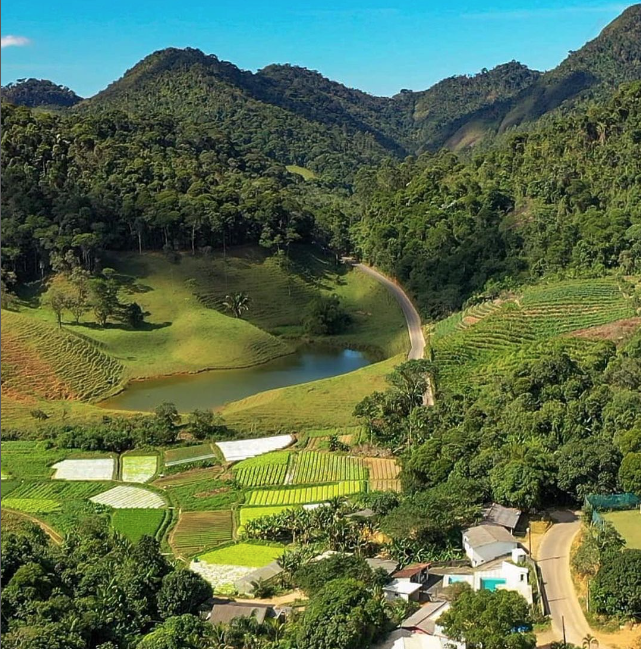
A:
500, 574
484, 543
407, 583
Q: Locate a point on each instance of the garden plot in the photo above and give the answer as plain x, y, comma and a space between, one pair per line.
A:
383, 474
91, 469
138, 468
197, 531
188, 454
242, 449
129, 498
302, 495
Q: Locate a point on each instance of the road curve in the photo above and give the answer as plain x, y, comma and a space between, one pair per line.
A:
554, 561
413, 319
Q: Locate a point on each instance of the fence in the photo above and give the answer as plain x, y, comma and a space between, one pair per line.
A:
599, 503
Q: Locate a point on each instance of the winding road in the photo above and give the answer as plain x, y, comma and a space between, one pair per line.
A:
554, 561
413, 319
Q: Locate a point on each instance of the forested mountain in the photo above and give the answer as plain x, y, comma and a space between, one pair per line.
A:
39, 92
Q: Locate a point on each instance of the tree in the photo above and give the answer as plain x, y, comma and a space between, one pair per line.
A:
57, 300
104, 298
237, 303
326, 317
630, 473
204, 424
131, 314
181, 592
78, 301
315, 575
167, 415
343, 614
489, 620
616, 589
183, 632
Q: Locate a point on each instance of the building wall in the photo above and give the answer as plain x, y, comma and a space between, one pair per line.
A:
485, 553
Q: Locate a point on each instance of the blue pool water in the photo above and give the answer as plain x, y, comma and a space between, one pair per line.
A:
491, 584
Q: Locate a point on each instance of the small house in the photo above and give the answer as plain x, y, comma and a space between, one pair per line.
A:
407, 583
484, 543
506, 517
246, 584
224, 611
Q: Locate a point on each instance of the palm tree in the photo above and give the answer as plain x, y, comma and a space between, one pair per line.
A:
590, 642
237, 303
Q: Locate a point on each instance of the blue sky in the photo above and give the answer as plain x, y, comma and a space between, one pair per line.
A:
378, 46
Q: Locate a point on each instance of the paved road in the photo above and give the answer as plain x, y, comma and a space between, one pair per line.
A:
554, 560
417, 340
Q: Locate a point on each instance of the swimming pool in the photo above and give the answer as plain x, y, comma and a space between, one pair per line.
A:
491, 584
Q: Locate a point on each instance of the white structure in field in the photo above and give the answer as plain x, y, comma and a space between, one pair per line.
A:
242, 449
485, 543
90, 469
125, 497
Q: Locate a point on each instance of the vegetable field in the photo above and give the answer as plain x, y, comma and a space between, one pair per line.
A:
197, 531
243, 554
383, 474
312, 468
262, 471
301, 495
58, 491
251, 513
129, 498
29, 459
138, 468
31, 505
136, 523
188, 477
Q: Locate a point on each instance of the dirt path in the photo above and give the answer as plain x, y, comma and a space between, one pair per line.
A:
413, 319
49, 531
554, 561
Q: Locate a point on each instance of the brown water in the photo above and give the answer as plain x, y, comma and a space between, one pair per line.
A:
215, 388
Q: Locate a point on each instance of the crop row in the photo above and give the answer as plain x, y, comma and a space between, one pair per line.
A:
59, 491
261, 476
197, 531
301, 495
31, 505
311, 468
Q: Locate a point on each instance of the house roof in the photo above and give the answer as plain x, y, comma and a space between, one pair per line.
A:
498, 515
362, 513
487, 534
402, 587
225, 613
411, 570
424, 619
387, 565
245, 583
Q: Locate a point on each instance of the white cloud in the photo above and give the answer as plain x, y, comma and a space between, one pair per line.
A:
14, 41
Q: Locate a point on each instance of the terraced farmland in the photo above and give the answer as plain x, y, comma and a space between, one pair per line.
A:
383, 474
542, 313
123, 497
313, 468
136, 523
32, 505
243, 554
138, 468
301, 495
251, 513
58, 491
39, 360
262, 471
188, 477
197, 531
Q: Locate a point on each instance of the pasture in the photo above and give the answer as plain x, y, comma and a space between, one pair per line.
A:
628, 525
243, 554
302, 495
124, 497
136, 523
138, 468
29, 460
198, 531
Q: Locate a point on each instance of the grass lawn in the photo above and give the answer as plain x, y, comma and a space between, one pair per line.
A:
306, 173
328, 403
628, 525
243, 554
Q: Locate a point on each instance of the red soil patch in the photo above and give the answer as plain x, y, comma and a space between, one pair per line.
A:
617, 331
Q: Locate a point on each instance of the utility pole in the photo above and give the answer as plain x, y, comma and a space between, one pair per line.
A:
563, 626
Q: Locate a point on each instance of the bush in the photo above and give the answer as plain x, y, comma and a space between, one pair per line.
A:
616, 590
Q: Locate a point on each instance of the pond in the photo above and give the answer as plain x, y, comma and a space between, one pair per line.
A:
215, 388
